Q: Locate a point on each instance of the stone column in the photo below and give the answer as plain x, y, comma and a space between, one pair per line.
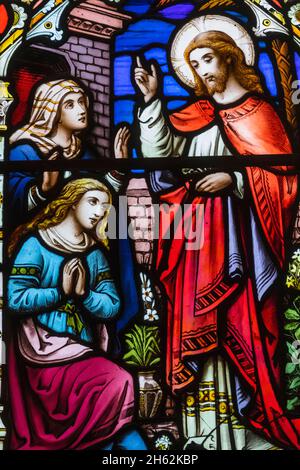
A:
142, 218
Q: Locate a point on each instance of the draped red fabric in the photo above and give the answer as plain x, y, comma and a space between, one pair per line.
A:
3, 18
194, 274
193, 117
253, 128
205, 309
72, 406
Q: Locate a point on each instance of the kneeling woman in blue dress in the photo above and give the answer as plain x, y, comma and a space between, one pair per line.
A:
64, 392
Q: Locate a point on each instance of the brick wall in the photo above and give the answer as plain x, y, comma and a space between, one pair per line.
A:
91, 60
141, 218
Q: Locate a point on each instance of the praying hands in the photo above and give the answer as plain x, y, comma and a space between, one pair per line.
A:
74, 278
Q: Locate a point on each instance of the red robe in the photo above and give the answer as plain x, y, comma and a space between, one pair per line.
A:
207, 310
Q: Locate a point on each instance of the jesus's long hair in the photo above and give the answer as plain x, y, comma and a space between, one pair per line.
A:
56, 211
225, 46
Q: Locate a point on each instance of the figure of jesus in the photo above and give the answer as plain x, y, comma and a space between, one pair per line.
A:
223, 307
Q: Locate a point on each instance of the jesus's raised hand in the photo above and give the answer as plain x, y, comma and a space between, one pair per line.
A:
146, 81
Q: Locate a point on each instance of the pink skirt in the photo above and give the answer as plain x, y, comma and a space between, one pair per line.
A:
70, 406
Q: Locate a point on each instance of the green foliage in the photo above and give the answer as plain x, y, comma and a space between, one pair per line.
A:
292, 367
293, 403
291, 314
143, 346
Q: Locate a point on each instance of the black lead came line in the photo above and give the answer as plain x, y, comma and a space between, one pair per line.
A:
170, 163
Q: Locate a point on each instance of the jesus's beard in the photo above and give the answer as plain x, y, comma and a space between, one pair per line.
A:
217, 83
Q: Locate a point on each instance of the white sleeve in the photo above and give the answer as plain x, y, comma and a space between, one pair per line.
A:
115, 179
33, 195
239, 190
157, 140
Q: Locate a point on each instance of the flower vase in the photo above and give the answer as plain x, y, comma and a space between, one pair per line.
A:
150, 394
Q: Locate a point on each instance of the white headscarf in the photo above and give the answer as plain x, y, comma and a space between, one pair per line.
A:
45, 107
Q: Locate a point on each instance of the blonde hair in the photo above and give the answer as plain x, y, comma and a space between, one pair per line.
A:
225, 46
57, 210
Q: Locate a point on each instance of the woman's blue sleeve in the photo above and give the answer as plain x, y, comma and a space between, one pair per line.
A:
25, 294
102, 300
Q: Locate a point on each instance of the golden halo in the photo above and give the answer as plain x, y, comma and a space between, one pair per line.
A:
204, 24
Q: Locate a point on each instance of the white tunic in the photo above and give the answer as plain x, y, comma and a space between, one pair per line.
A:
158, 140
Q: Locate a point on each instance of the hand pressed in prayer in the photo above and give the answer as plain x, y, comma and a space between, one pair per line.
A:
81, 279
146, 82
50, 178
121, 142
214, 183
69, 272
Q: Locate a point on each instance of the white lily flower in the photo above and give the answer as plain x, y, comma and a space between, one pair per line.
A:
296, 256
147, 295
151, 315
